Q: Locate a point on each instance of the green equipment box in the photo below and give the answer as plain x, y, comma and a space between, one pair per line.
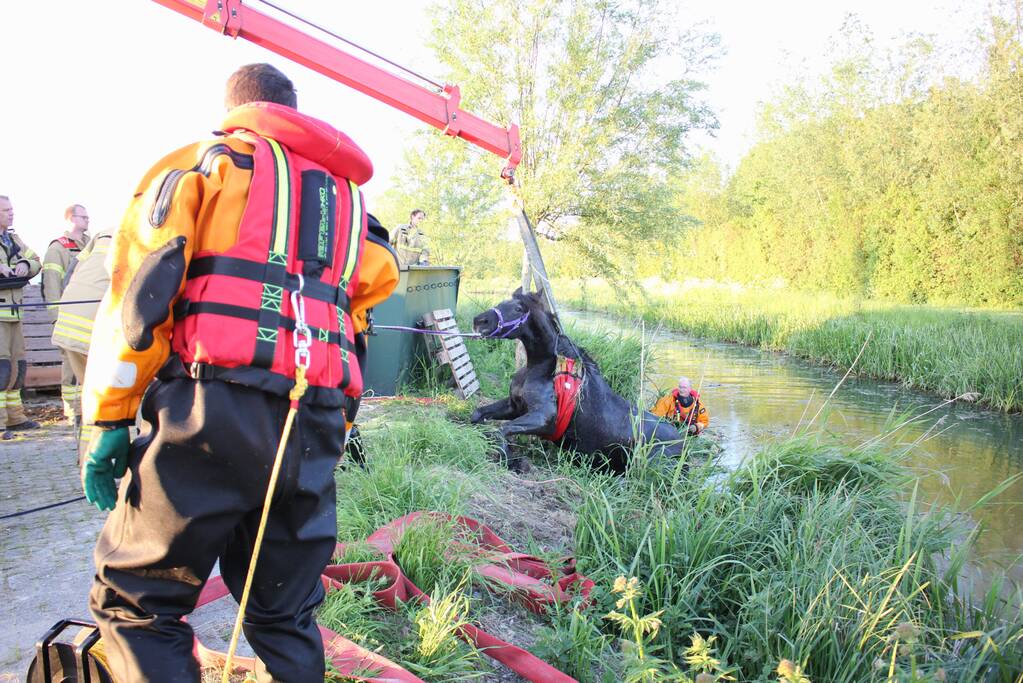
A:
393, 354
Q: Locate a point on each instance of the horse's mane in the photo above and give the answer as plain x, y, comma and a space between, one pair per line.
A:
563, 346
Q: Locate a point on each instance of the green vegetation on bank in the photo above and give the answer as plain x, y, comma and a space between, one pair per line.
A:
954, 353
893, 176
809, 563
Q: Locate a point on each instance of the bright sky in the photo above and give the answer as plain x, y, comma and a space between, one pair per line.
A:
95, 92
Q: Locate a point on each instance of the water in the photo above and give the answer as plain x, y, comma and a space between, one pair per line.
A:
961, 452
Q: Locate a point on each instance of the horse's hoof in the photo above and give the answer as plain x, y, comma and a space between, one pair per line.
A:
520, 465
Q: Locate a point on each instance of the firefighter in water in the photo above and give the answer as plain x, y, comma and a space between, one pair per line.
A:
223, 245
683, 406
56, 265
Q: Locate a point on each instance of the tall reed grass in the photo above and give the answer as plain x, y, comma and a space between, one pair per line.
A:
952, 352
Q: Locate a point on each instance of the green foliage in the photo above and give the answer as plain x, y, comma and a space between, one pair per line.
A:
886, 178
605, 95
573, 643
797, 560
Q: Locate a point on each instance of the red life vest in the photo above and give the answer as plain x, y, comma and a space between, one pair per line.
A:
693, 412
235, 318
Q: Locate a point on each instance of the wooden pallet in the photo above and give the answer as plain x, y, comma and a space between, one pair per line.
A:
43, 357
451, 351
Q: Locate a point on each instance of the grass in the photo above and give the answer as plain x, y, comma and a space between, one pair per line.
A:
951, 352
815, 561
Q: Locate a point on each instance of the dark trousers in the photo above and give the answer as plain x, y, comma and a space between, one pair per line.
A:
194, 493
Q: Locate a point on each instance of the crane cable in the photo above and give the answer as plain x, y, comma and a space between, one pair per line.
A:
352, 43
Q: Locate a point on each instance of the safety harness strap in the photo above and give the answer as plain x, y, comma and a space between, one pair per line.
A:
275, 271
246, 269
187, 308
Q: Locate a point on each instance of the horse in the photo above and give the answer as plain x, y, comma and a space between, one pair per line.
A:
603, 423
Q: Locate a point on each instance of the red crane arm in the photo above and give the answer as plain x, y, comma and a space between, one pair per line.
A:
441, 110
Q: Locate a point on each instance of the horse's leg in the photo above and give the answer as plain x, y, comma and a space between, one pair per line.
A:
537, 422
498, 410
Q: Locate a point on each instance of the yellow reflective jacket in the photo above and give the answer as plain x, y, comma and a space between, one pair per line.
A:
89, 280
11, 256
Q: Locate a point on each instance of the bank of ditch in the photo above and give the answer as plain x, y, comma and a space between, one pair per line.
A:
808, 563
971, 354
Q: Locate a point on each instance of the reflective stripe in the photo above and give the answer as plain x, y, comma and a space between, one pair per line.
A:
351, 258
282, 203
76, 320
71, 333
276, 262
56, 267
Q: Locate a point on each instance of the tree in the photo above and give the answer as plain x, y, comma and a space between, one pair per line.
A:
605, 94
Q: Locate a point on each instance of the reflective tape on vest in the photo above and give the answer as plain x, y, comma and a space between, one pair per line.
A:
275, 271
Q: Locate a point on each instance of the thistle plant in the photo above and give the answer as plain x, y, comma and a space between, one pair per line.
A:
642, 628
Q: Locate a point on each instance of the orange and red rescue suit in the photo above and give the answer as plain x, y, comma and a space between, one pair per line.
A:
672, 406
219, 236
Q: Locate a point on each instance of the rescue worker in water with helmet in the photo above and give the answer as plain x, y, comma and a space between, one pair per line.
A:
683, 407
220, 241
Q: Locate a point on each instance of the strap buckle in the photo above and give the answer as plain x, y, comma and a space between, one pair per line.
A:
201, 371
302, 336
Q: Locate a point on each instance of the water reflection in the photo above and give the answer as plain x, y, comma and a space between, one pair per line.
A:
960, 451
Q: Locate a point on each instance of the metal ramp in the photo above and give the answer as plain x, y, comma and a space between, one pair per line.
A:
451, 351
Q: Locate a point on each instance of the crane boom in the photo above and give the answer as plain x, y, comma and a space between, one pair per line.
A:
439, 109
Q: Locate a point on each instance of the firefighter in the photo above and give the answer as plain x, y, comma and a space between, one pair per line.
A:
682, 406
16, 261
224, 246
56, 265
410, 242
87, 281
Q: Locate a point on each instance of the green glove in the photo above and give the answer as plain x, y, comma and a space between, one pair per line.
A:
107, 460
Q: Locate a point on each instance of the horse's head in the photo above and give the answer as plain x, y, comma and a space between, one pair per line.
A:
507, 320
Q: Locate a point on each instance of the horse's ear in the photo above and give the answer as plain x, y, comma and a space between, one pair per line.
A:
517, 294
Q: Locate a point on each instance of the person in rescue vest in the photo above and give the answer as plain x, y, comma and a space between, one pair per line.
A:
683, 406
228, 247
87, 281
410, 242
18, 264
56, 264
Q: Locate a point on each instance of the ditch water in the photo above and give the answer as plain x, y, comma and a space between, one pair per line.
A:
961, 452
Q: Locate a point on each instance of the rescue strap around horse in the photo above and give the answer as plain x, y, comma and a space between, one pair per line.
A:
568, 380
530, 580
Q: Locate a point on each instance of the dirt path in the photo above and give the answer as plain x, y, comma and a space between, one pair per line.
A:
45, 557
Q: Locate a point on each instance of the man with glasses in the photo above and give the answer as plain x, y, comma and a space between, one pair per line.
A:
18, 264
56, 265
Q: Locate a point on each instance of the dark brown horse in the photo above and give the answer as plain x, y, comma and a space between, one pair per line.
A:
604, 424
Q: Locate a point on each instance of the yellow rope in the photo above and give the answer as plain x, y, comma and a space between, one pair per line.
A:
296, 393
